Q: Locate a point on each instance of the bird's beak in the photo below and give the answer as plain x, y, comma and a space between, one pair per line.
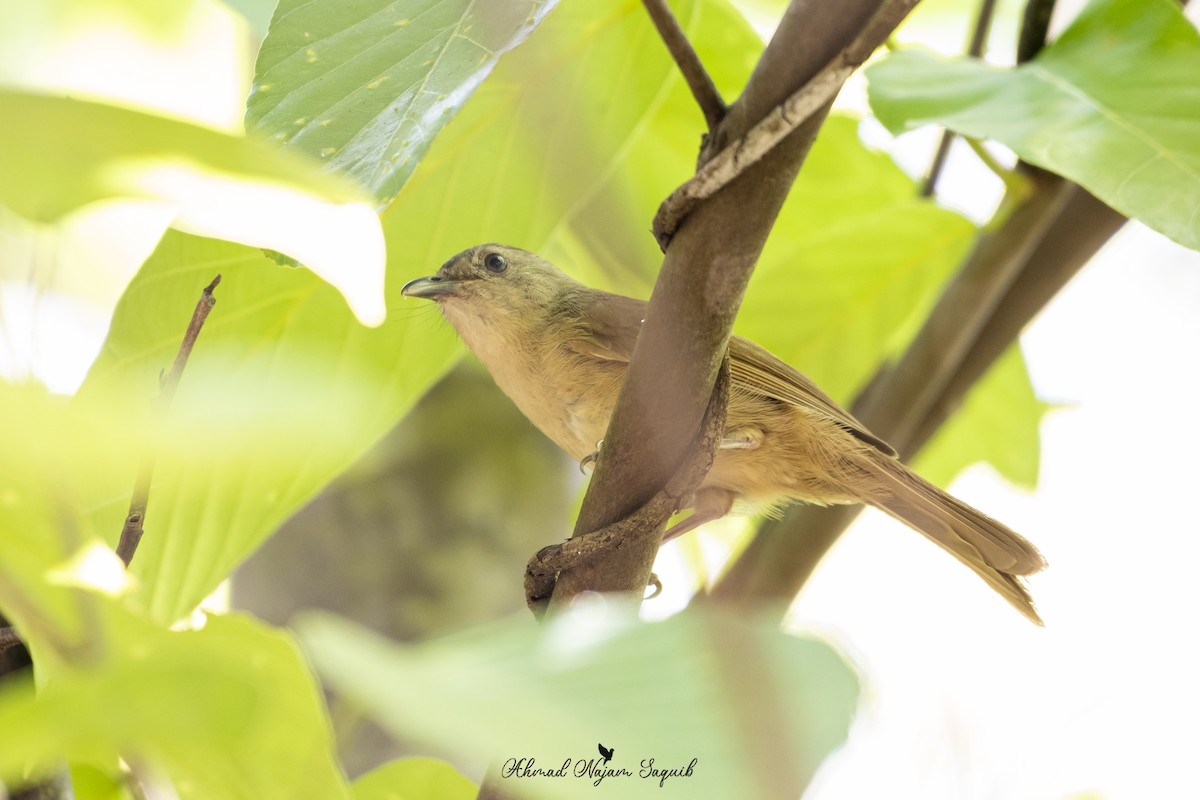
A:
431, 288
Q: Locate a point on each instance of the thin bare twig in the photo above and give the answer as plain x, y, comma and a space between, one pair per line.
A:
778, 123
979, 35
697, 77
131, 532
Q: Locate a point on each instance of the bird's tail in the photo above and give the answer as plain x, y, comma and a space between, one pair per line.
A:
992, 550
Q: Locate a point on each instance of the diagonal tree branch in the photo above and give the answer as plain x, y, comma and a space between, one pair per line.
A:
699, 289
794, 111
697, 77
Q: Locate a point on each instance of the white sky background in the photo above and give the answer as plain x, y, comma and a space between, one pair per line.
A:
964, 698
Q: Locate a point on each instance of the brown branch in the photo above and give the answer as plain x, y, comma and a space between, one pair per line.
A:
699, 289
8, 638
697, 77
131, 532
779, 122
979, 34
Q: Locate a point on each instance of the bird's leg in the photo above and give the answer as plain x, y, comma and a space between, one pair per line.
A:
711, 503
542, 571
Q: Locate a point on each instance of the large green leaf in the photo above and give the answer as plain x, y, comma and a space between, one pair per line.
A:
58, 154
367, 85
753, 710
1111, 104
227, 711
998, 423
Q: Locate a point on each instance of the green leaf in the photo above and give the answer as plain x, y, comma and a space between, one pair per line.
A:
367, 85
227, 711
1111, 105
414, 779
752, 706
282, 392
58, 154
998, 423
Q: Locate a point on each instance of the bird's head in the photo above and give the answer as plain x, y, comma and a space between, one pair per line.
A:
492, 282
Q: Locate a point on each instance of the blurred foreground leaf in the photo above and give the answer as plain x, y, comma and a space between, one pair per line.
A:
227, 711
1104, 105
756, 709
58, 154
367, 85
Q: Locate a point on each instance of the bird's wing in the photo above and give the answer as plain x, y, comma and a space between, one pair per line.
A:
607, 325
762, 372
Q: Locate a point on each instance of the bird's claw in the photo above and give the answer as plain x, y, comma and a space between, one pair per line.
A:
588, 463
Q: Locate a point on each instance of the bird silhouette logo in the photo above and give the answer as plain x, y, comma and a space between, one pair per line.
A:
606, 753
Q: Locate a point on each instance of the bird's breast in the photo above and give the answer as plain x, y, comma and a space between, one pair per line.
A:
568, 400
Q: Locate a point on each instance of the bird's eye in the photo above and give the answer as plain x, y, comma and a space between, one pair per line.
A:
495, 263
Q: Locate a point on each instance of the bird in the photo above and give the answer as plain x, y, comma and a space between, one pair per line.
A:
606, 753
560, 351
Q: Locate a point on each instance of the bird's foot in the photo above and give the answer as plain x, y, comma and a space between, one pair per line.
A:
588, 463
541, 573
